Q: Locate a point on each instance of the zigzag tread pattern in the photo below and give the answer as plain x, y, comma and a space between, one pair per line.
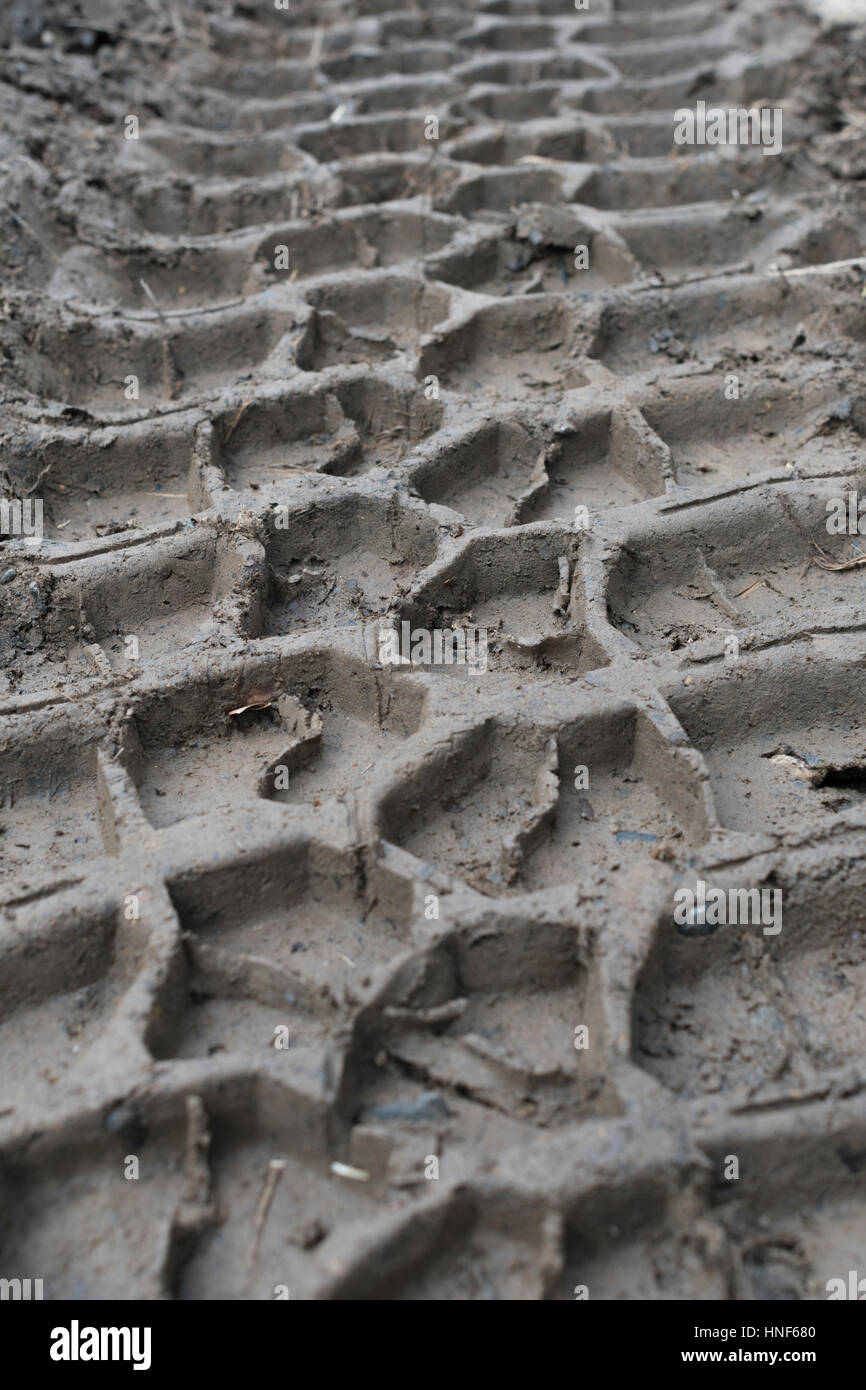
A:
335, 319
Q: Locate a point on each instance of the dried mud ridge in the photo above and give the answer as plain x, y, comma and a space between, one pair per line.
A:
281, 483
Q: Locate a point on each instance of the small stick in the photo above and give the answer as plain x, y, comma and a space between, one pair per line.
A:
169, 367
826, 268
272, 1178
823, 559
236, 421
316, 47
22, 222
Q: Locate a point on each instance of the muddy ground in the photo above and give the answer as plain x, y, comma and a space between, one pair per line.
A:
327, 974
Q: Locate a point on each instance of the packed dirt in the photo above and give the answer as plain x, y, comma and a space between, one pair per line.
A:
330, 976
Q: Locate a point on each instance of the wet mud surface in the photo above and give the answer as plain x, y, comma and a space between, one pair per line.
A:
328, 977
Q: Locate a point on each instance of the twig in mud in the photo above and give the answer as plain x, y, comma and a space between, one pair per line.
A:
750, 588
346, 1170
28, 492
171, 375
827, 268
823, 559
236, 421
119, 35
272, 1178
22, 222
316, 48
154, 301
742, 268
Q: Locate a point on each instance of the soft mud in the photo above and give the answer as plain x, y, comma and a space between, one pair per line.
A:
343, 319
